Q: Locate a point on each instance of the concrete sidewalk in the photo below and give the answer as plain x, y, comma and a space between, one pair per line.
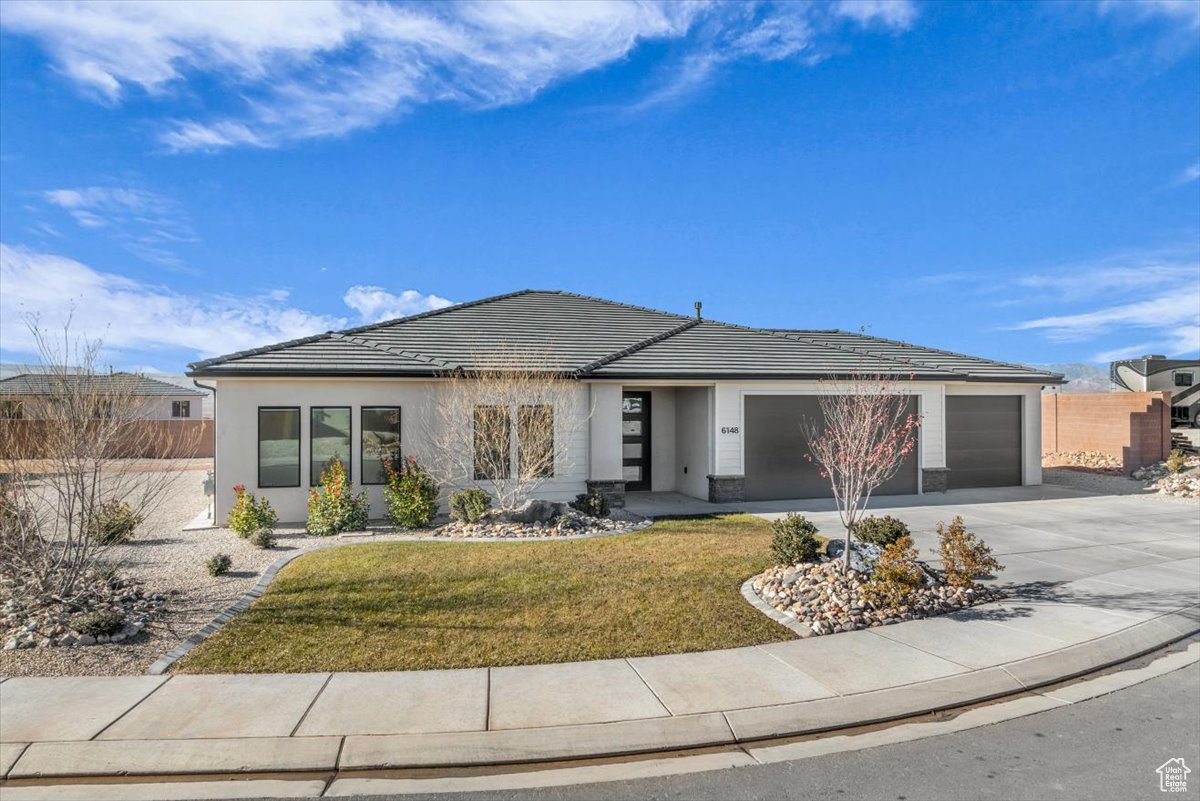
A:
1093, 580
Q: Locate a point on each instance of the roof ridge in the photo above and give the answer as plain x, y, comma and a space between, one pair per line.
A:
622, 304
434, 312
945, 352
906, 362
635, 347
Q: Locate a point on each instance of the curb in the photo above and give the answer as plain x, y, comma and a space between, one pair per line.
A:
730, 728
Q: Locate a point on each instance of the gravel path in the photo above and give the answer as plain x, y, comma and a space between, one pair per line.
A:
1105, 484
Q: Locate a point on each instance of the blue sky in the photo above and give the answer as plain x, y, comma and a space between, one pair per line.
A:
1017, 181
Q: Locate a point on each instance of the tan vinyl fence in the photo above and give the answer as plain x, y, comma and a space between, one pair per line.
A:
166, 439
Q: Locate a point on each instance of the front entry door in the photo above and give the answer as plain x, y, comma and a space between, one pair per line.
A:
635, 441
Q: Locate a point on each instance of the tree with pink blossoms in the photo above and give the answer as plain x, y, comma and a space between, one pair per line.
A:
866, 433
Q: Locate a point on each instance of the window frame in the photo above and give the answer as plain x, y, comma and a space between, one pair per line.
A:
12, 409
299, 450
362, 432
178, 406
508, 421
520, 410
1191, 376
315, 481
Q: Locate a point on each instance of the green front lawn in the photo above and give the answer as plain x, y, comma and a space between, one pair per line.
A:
420, 605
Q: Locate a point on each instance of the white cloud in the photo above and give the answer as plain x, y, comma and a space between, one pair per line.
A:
323, 68
374, 303
1189, 174
1183, 12
131, 315
149, 225
1160, 304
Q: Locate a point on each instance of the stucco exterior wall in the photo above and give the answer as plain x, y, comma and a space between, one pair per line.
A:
238, 402
662, 439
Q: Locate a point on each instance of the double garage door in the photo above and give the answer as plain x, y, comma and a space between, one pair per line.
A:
983, 446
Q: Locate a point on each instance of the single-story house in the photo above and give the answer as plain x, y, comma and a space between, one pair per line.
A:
22, 396
673, 402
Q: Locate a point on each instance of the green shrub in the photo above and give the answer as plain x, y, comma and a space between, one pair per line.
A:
250, 515
101, 623
469, 505
105, 570
216, 565
333, 507
568, 523
1176, 461
263, 538
964, 556
881, 531
795, 540
896, 577
411, 494
592, 504
113, 522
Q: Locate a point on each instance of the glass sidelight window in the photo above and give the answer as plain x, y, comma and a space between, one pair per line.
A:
380, 440
493, 443
535, 441
279, 446
328, 436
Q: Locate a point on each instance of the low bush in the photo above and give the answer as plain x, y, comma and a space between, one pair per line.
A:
333, 507
218, 565
113, 522
263, 538
105, 570
881, 531
101, 623
469, 505
1177, 461
411, 494
795, 540
964, 556
592, 504
896, 577
250, 515
568, 523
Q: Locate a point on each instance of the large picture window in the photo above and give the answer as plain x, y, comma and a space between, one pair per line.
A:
279, 447
493, 443
328, 436
380, 439
535, 441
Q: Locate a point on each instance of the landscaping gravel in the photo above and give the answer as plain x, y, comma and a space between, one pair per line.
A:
1115, 485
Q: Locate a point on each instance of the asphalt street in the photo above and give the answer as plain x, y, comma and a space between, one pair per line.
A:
1105, 748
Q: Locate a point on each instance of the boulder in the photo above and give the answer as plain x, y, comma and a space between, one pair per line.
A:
534, 511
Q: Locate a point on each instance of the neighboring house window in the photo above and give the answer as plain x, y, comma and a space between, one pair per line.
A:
380, 439
328, 436
1184, 379
11, 410
493, 442
535, 441
279, 446
181, 408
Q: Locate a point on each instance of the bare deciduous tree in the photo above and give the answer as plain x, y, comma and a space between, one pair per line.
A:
865, 436
74, 450
507, 426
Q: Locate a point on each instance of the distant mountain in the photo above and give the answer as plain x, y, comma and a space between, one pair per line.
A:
1081, 376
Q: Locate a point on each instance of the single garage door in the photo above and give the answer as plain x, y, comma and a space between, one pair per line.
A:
775, 447
983, 440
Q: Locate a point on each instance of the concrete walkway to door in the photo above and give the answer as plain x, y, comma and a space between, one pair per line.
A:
1092, 580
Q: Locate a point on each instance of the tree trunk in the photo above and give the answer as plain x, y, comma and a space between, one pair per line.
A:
846, 552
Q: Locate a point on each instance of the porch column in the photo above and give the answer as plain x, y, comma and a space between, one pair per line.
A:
605, 476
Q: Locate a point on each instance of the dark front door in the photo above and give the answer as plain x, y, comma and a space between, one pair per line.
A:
635, 441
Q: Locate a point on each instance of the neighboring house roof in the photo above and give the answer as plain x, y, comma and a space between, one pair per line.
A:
117, 383
593, 337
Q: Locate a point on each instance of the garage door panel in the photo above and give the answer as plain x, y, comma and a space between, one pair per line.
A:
775, 448
983, 440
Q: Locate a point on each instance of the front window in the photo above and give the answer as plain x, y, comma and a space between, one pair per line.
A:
329, 436
493, 443
380, 440
181, 408
1184, 379
279, 447
535, 441
11, 410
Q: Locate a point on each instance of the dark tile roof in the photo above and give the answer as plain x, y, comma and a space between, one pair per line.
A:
593, 337
121, 383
